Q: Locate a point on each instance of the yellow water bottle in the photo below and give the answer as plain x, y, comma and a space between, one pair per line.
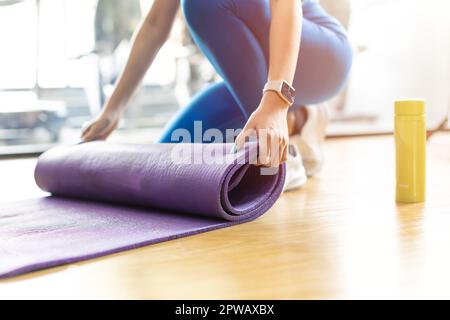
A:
410, 140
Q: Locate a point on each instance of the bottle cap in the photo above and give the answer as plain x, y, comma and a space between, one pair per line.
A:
410, 107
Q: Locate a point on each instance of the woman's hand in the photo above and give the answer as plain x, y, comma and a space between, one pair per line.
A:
101, 127
269, 124
269, 121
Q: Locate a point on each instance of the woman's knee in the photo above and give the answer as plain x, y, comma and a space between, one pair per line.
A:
343, 60
340, 62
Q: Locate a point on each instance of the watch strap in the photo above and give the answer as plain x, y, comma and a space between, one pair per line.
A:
282, 88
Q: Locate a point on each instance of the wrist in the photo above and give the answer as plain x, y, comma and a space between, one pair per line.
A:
282, 88
113, 109
272, 100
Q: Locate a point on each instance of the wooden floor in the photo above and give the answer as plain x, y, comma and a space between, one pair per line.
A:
342, 236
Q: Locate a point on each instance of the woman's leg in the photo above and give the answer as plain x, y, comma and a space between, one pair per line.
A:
230, 45
240, 61
234, 35
325, 57
214, 108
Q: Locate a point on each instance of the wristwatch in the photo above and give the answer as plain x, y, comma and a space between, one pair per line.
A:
282, 88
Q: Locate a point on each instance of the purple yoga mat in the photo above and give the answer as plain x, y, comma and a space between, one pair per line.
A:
108, 198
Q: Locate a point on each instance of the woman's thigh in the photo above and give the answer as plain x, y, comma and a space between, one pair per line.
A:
324, 62
325, 55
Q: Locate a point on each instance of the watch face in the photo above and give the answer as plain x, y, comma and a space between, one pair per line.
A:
288, 92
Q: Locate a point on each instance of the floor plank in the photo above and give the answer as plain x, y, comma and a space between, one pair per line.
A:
342, 236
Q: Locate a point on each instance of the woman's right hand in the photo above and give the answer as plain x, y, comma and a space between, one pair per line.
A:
101, 127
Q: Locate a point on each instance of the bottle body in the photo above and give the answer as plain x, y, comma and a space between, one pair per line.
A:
410, 139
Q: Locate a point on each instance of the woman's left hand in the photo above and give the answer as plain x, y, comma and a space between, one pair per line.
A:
269, 125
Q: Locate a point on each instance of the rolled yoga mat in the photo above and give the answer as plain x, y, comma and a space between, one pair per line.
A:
108, 198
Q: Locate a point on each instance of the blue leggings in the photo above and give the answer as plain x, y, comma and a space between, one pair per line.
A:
234, 36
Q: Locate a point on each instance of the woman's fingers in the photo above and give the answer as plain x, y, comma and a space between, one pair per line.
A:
245, 136
95, 131
106, 134
240, 141
90, 134
278, 146
100, 128
284, 152
264, 142
272, 147
85, 128
281, 148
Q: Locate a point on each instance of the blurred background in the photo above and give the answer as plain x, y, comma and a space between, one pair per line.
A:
59, 60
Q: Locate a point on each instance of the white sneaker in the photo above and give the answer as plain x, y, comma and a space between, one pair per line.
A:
310, 140
295, 171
